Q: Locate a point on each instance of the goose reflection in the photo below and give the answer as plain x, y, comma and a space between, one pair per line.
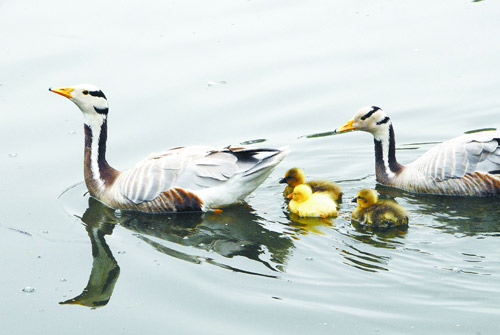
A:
105, 269
237, 231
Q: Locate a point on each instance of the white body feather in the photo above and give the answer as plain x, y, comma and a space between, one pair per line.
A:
217, 177
457, 166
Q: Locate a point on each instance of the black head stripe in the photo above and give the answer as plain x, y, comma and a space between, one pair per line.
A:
370, 113
97, 94
101, 110
384, 120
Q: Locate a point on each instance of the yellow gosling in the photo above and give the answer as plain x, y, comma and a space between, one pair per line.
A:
305, 203
375, 213
296, 176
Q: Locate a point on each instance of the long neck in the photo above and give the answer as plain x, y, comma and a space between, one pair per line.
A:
98, 173
386, 165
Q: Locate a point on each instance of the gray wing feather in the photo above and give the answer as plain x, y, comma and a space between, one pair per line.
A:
192, 168
461, 155
220, 166
495, 157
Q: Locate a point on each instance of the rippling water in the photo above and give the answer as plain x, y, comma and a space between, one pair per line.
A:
275, 74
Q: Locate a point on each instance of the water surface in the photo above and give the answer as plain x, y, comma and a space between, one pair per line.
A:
229, 72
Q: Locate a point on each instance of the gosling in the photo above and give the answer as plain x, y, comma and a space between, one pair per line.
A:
305, 203
379, 214
296, 176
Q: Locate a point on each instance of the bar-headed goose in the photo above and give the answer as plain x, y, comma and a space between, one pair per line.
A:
296, 176
376, 213
305, 203
181, 179
468, 165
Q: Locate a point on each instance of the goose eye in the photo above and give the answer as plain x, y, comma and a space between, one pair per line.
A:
85, 92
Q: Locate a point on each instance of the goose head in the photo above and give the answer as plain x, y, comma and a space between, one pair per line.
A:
300, 193
365, 198
294, 177
371, 119
89, 98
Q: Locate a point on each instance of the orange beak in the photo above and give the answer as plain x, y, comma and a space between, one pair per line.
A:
290, 196
71, 302
345, 127
64, 91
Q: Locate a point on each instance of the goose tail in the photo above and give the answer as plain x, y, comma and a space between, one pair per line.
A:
267, 161
256, 164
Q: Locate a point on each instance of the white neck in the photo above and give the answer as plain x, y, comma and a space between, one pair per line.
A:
385, 155
95, 123
386, 164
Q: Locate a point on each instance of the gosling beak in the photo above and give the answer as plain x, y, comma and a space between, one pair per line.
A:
283, 181
345, 127
64, 91
290, 196
354, 199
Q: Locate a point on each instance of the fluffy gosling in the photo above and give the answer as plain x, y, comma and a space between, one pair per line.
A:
305, 203
296, 176
375, 213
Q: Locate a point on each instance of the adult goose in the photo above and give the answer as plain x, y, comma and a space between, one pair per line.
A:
181, 179
468, 165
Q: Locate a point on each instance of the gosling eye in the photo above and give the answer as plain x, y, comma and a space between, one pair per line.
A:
85, 92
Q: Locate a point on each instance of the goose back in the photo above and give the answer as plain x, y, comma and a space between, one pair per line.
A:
182, 177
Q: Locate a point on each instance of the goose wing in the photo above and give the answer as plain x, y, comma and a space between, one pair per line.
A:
191, 168
461, 155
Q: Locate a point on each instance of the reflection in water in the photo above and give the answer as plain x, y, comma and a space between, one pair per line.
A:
237, 231
363, 260
105, 269
234, 232
384, 238
465, 215
372, 240
462, 216
350, 250
306, 225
